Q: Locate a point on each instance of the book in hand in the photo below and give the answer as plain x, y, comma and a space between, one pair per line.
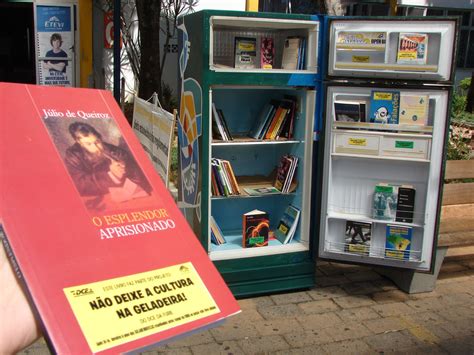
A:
255, 229
405, 204
398, 241
349, 111
102, 275
357, 237
384, 106
412, 48
287, 226
267, 53
384, 202
245, 50
414, 110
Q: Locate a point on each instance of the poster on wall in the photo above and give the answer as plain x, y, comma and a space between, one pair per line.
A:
54, 46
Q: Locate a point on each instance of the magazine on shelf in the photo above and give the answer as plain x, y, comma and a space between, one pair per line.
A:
245, 51
361, 40
255, 229
287, 226
384, 203
102, 275
398, 241
349, 111
357, 237
412, 48
405, 204
262, 190
384, 106
413, 110
267, 53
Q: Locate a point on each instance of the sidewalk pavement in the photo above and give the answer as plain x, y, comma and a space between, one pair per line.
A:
352, 310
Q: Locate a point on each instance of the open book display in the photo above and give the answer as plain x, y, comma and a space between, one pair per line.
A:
108, 260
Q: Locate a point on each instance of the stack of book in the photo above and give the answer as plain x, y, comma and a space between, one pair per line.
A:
223, 181
285, 173
294, 53
276, 120
217, 237
220, 130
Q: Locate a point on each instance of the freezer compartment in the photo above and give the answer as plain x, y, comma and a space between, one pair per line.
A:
419, 49
264, 38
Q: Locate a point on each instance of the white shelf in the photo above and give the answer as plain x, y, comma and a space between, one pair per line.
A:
252, 141
373, 253
364, 218
379, 157
233, 249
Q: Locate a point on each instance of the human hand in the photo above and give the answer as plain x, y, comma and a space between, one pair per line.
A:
18, 327
117, 168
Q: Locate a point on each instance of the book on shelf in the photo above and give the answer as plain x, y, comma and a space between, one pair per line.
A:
349, 111
405, 204
412, 48
267, 53
414, 110
217, 237
279, 118
261, 190
255, 229
384, 202
286, 228
220, 129
287, 127
358, 237
398, 240
223, 180
285, 173
384, 106
100, 277
292, 49
266, 114
245, 53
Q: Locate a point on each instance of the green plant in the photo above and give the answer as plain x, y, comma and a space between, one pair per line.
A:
458, 145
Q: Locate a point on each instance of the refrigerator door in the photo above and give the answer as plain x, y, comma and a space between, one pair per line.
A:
383, 153
421, 49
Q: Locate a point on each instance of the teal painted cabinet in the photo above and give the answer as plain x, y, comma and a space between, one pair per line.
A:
219, 72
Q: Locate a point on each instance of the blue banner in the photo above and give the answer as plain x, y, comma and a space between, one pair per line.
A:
53, 18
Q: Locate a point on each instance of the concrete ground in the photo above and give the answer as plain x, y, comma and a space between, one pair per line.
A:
352, 310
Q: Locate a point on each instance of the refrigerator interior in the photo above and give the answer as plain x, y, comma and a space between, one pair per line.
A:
359, 155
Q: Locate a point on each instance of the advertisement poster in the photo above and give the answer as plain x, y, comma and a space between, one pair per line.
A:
154, 128
54, 46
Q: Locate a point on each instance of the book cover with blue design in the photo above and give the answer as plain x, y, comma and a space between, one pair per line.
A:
398, 241
384, 106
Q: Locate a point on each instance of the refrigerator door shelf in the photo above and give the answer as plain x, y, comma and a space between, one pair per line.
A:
389, 48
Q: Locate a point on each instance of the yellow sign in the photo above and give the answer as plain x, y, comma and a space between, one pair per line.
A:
360, 58
358, 141
123, 309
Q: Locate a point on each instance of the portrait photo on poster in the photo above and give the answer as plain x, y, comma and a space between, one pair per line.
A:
104, 172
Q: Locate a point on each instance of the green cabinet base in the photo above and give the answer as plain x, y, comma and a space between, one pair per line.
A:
252, 280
